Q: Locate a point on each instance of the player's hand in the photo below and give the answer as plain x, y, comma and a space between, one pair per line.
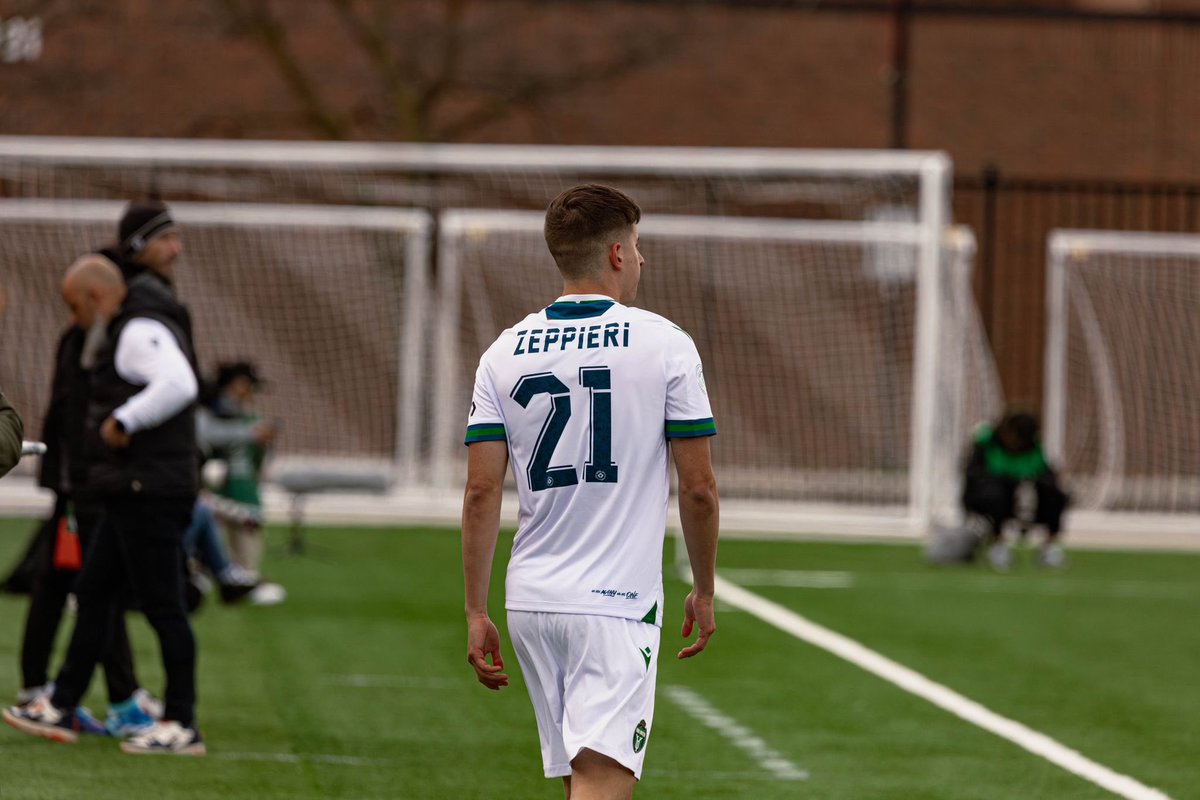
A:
697, 613
483, 640
112, 434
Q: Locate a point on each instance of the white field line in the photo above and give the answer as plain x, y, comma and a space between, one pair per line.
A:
391, 682
911, 681
738, 735
982, 583
792, 578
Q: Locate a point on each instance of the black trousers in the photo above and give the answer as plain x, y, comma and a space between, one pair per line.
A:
995, 500
139, 547
48, 597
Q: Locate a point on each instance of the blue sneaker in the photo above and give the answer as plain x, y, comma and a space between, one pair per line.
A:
41, 718
127, 719
89, 724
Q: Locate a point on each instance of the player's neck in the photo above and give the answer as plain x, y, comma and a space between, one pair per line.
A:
591, 287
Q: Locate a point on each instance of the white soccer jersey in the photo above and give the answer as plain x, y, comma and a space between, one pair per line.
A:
586, 392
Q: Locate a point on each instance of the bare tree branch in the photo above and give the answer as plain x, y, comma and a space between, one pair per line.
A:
534, 91
396, 86
258, 21
443, 77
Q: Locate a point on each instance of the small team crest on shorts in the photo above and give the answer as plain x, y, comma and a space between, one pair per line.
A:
639, 737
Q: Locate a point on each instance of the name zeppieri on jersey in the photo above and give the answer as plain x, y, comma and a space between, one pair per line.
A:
583, 337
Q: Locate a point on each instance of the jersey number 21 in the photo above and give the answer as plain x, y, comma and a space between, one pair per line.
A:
599, 467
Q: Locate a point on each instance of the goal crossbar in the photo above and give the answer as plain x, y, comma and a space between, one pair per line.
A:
472, 158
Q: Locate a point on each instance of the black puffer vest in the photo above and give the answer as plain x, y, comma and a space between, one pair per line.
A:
160, 461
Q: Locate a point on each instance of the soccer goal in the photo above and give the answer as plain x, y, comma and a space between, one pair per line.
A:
892, 281
808, 333
329, 301
1122, 383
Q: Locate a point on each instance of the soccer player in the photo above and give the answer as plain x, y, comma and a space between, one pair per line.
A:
583, 397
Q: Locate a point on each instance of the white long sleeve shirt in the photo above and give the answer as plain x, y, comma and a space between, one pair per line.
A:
148, 355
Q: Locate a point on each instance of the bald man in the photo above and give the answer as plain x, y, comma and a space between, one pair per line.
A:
140, 449
64, 471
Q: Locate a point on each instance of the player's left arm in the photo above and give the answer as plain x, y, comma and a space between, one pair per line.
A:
487, 462
699, 514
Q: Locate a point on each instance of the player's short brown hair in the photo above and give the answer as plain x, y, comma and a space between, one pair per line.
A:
581, 223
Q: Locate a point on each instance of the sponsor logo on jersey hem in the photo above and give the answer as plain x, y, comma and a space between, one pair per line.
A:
626, 595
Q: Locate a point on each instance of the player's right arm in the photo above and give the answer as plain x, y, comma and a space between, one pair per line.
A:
699, 513
487, 463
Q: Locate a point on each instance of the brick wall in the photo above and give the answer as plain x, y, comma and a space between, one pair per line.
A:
1040, 98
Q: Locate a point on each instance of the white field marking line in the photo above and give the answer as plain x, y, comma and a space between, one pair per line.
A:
739, 735
793, 578
982, 583
390, 682
301, 758
911, 681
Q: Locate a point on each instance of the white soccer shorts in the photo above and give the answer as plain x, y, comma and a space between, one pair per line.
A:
591, 680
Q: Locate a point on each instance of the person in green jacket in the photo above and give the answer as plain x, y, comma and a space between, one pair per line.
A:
231, 430
11, 433
1008, 478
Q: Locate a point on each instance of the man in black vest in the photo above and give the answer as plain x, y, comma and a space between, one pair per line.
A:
75, 517
141, 453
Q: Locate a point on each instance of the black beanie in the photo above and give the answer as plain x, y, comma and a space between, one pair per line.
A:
141, 223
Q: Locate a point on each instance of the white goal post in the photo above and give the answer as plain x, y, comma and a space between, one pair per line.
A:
329, 301
1122, 380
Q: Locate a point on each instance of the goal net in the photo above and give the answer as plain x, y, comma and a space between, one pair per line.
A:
328, 301
885, 306
807, 330
1122, 388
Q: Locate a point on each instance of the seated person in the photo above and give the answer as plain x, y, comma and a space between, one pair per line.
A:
203, 547
1005, 468
228, 429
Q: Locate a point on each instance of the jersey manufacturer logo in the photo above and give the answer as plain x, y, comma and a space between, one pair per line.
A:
646, 653
639, 736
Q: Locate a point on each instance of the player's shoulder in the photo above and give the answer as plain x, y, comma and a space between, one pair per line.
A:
660, 326
503, 342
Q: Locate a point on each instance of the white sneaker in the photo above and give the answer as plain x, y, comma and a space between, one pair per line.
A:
167, 738
267, 594
1052, 556
27, 696
1000, 557
41, 718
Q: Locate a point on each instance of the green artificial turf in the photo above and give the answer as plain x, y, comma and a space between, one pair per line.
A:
358, 686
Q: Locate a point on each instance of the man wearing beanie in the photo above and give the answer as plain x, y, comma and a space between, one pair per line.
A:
147, 247
147, 241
